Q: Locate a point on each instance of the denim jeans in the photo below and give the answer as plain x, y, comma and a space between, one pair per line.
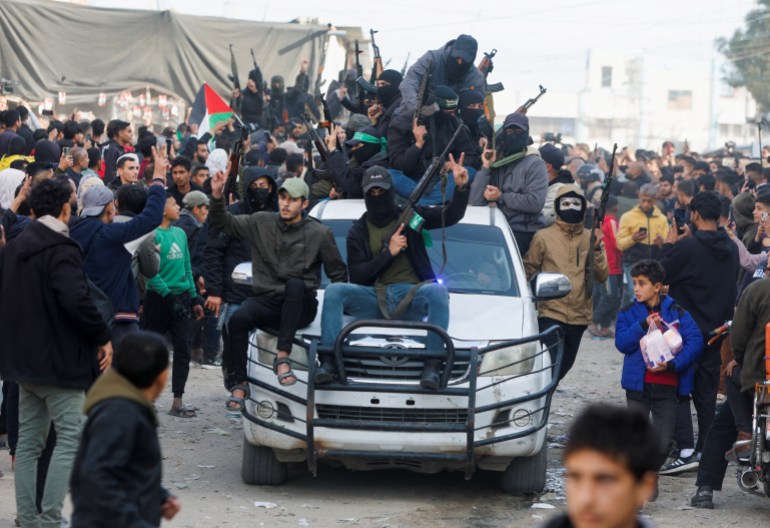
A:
39, 405
404, 185
431, 301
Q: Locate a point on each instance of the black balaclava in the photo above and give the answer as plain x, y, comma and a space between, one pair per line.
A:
456, 71
387, 94
364, 152
381, 210
512, 143
258, 198
570, 216
277, 85
471, 116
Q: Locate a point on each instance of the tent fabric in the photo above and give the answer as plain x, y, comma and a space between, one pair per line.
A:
51, 46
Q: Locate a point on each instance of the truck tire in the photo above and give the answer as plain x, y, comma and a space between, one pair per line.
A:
526, 474
259, 466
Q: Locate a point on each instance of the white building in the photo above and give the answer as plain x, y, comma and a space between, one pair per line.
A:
632, 102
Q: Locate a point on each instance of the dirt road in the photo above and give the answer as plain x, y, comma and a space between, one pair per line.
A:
202, 460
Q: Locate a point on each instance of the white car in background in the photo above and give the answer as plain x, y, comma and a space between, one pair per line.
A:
491, 413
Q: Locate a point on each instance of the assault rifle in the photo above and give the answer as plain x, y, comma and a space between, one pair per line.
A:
327, 116
597, 224
422, 96
526, 106
233, 75
323, 150
486, 67
377, 61
408, 216
235, 162
405, 66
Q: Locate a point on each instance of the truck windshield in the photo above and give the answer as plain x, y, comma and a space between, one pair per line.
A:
478, 260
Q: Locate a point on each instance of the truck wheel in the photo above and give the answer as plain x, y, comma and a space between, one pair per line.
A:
526, 474
259, 466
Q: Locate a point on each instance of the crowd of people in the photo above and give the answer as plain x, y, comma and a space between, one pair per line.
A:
120, 239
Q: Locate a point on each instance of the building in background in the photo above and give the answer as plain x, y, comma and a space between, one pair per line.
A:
631, 102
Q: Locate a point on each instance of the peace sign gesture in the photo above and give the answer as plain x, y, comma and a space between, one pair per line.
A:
459, 172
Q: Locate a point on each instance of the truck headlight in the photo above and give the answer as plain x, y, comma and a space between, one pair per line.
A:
509, 361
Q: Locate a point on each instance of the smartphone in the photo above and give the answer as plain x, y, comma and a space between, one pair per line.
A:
680, 217
643, 230
765, 216
160, 143
168, 147
66, 152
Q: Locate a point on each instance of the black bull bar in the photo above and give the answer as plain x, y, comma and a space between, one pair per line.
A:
551, 342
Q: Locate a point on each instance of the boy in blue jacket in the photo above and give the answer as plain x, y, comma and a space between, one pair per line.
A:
656, 390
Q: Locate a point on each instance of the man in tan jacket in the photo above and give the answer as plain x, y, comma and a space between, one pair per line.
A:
563, 248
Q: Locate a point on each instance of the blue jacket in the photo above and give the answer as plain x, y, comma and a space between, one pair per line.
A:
107, 263
632, 326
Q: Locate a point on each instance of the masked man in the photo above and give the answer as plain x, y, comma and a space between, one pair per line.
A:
563, 248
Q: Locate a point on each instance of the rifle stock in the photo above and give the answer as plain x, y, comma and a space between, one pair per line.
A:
598, 221
323, 150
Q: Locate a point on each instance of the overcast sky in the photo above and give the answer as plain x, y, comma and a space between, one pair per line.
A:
537, 44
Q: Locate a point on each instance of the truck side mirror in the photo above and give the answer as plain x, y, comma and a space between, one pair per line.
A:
551, 286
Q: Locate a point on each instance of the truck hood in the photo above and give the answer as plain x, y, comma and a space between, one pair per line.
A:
472, 318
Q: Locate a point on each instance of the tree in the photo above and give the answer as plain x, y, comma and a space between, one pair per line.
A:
748, 51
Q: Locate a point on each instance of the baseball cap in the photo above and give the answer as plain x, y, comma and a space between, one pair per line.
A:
296, 187
517, 119
95, 199
291, 147
465, 47
195, 199
376, 177
552, 154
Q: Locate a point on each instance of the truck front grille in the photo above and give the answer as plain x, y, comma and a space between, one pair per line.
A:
395, 368
379, 414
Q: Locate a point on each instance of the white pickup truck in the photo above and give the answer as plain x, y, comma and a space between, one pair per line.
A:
498, 378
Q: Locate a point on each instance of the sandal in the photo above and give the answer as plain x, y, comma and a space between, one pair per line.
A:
182, 412
240, 403
288, 374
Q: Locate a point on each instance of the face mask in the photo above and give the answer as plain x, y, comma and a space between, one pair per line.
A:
471, 116
380, 210
386, 94
512, 143
570, 209
363, 153
571, 216
457, 71
257, 198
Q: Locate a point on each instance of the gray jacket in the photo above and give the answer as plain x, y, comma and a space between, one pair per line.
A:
409, 87
279, 251
524, 185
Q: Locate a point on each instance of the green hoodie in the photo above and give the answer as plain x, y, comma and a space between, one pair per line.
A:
175, 273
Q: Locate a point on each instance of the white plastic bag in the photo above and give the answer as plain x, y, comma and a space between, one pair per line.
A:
655, 348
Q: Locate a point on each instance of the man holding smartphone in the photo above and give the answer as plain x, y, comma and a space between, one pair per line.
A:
641, 233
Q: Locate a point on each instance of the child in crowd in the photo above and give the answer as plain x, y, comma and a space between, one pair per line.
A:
116, 479
656, 389
171, 295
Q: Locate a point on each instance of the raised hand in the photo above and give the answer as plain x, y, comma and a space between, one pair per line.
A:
218, 184
459, 172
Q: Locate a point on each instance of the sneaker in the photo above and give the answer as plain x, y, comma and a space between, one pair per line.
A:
680, 465
704, 498
211, 364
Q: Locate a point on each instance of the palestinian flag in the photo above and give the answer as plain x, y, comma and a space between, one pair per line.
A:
208, 110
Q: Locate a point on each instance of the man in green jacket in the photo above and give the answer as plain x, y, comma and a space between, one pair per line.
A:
287, 250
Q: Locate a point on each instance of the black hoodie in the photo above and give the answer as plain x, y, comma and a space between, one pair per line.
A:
49, 323
702, 272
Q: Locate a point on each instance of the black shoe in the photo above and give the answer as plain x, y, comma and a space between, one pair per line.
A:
325, 373
704, 498
680, 465
430, 378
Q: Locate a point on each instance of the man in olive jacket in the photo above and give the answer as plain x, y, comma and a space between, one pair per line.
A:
54, 344
287, 251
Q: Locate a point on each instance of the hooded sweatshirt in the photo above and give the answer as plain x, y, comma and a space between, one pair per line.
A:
117, 477
50, 325
702, 272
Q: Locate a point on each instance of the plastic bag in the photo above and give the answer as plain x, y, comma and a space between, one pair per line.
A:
655, 348
673, 337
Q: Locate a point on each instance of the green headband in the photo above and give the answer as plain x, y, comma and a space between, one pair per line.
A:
366, 138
